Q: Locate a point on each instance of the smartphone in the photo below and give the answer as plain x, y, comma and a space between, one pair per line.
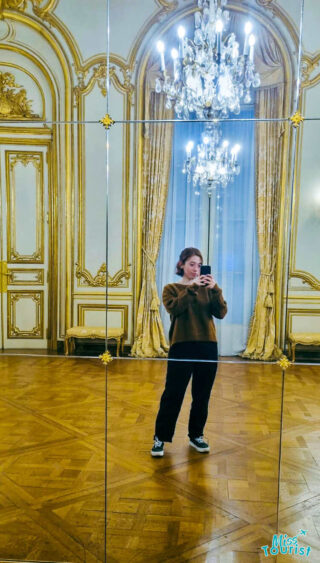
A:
205, 270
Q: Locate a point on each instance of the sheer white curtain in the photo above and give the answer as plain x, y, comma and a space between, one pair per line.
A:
233, 256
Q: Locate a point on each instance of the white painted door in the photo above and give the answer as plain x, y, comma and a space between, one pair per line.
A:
24, 244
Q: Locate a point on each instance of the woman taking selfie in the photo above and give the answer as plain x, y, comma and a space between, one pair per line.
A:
191, 305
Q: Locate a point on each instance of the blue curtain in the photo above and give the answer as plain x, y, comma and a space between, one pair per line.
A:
234, 255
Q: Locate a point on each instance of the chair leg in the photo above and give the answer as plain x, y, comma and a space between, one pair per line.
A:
66, 346
289, 350
118, 347
293, 351
122, 345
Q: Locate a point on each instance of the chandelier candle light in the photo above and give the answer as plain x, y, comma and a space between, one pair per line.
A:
214, 165
210, 76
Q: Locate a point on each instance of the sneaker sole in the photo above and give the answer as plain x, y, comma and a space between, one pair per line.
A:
157, 454
201, 450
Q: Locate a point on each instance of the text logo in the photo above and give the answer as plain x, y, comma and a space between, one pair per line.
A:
286, 545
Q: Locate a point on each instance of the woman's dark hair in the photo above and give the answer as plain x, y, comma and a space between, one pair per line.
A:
185, 254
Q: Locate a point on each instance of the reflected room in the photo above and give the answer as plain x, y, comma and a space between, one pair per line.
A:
160, 280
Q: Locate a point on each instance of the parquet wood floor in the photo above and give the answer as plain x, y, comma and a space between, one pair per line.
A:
52, 459
221, 507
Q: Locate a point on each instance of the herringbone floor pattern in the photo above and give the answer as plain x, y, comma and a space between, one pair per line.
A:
220, 507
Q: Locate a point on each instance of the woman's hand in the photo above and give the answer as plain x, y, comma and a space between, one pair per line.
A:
207, 281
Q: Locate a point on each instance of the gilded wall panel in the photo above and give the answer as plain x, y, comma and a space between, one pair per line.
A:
25, 204
25, 314
304, 319
305, 257
90, 95
21, 276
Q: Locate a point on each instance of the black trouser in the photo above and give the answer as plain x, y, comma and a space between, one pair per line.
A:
178, 377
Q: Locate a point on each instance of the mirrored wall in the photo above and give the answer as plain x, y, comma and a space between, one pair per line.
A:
235, 178
130, 132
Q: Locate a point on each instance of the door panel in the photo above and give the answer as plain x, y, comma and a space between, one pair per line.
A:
24, 234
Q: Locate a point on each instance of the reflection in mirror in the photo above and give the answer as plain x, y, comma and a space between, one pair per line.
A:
303, 311
300, 470
135, 386
52, 221
165, 195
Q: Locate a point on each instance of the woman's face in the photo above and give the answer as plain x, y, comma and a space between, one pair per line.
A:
191, 267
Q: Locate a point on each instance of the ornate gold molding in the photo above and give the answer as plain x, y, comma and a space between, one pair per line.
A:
126, 87
13, 98
168, 6
307, 278
269, 4
308, 65
25, 159
14, 297
264, 3
19, 5
99, 280
99, 76
44, 11
13, 276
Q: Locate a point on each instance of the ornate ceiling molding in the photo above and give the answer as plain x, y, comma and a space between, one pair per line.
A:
13, 98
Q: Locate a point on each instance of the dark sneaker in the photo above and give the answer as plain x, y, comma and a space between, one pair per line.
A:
199, 444
157, 450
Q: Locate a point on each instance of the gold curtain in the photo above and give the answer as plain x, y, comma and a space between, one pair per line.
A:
261, 343
150, 340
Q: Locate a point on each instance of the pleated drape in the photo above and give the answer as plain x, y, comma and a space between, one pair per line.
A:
150, 340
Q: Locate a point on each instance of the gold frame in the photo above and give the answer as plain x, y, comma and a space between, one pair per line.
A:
299, 313
12, 330
39, 272
307, 277
80, 92
12, 158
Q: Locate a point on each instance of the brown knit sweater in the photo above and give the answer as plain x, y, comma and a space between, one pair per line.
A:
191, 308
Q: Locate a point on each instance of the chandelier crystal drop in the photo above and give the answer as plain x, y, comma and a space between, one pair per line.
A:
209, 76
214, 164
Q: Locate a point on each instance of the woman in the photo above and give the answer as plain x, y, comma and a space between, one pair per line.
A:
192, 335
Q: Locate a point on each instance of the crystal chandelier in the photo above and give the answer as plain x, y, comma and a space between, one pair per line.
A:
210, 77
214, 165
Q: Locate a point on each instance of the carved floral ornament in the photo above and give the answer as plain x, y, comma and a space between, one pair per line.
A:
20, 5
99, 280
13, 98
99, 76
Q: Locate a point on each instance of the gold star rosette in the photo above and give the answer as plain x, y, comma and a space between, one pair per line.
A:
106, 358
296, 119
284, 363
107, 121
